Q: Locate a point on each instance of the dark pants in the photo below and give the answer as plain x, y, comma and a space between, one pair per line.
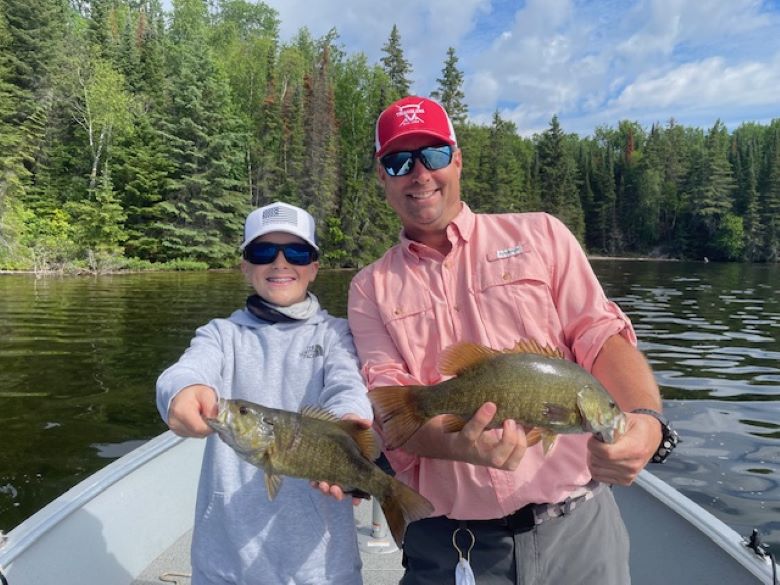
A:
588, 546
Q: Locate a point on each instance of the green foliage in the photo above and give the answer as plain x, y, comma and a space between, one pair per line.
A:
450, 92
134, 139
396, 66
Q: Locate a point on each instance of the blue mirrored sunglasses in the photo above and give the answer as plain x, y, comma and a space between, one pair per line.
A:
266, 253
398, 164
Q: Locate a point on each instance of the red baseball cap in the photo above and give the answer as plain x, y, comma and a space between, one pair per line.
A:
412, 115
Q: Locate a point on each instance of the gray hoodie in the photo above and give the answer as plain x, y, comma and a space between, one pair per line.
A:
240, 536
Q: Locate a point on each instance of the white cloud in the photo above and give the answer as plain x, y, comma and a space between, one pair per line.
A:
591, 62
707, 83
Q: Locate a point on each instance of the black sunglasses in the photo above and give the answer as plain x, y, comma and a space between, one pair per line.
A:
266, 252
398, 164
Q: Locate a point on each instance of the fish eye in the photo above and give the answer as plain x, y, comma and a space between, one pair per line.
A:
243, 410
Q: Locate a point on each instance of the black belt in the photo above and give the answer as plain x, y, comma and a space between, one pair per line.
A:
521, 520
532, 515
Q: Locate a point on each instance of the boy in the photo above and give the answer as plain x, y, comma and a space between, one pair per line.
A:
282, 351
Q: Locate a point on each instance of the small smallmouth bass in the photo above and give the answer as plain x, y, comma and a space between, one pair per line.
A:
535, 386
315, 445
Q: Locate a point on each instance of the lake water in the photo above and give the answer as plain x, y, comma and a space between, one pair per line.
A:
79, 358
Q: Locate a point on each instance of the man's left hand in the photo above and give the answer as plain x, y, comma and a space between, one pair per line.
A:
620, 462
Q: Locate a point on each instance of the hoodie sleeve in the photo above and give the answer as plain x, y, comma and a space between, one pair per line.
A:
201, 363
343, 391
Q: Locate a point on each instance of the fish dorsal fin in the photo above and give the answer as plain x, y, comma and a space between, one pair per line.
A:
313, 411
532, 346
458, 358
365, 438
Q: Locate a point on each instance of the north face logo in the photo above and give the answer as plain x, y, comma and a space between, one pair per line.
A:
313, 351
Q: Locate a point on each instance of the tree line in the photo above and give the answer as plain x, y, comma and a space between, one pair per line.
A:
132, 137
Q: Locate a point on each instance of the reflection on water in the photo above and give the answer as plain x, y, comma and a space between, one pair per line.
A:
710, 333
79, 358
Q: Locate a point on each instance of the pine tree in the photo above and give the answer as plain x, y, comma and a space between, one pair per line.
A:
396, 66
450, 92
367, 223
558, 179
201, 214
769, 196
320, 177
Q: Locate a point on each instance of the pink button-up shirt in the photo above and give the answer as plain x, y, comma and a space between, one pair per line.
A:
507, 277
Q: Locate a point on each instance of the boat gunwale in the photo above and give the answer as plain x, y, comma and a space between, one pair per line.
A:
29, 531
715, 529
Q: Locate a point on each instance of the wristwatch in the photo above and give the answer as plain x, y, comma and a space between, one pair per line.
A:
669, 439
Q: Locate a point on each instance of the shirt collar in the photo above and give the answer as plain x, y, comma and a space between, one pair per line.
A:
460, 228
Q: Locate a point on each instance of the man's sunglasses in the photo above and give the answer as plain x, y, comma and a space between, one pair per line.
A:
398, 164
266, 253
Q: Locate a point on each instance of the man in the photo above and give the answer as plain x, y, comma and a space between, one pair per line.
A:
494, 279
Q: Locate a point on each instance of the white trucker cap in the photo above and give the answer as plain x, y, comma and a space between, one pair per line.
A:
279, 217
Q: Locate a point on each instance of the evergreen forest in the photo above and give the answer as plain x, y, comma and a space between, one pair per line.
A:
133, 137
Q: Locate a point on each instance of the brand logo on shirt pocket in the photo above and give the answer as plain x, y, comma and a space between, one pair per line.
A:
507, 252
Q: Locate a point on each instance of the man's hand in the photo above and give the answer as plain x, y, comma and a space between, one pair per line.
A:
334, 490
502, 448
620, 462
185, 415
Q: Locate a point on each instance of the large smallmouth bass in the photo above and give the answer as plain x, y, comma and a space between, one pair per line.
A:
315, 445
535, 386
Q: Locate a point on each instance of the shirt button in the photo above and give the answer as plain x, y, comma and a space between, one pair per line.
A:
506, 276
398, 311
446, 264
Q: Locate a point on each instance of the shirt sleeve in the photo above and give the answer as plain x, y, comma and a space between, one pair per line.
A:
201, 363
382, 365
343, 391
587, 316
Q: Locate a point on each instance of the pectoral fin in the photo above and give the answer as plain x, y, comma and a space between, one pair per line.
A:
533, 436
556, 413
272, 484
548, 441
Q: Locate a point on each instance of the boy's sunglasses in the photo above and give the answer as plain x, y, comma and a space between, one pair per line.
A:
266, 253
398, 164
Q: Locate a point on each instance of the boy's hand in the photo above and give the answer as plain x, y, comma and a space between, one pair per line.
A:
334, 490
185, 415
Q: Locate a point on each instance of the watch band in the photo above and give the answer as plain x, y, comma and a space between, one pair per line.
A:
669, 439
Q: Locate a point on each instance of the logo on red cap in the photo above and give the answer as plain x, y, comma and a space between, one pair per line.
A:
410, 113
409, 116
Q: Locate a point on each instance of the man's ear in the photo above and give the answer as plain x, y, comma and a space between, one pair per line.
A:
381, 174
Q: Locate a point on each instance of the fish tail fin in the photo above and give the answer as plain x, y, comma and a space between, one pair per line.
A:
398, 412
401, 506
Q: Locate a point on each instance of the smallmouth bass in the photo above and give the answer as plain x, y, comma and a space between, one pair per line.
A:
535, 386
315, 445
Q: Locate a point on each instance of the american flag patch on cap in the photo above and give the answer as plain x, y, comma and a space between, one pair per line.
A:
279, 214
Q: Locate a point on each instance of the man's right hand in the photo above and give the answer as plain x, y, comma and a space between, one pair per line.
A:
476, 444
185, 415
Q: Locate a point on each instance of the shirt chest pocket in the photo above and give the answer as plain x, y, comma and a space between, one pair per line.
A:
412, 325
515, 301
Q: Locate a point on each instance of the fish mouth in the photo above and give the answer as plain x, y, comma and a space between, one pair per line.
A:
609, 434
221, 422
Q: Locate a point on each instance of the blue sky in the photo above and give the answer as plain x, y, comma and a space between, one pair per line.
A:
590, 62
